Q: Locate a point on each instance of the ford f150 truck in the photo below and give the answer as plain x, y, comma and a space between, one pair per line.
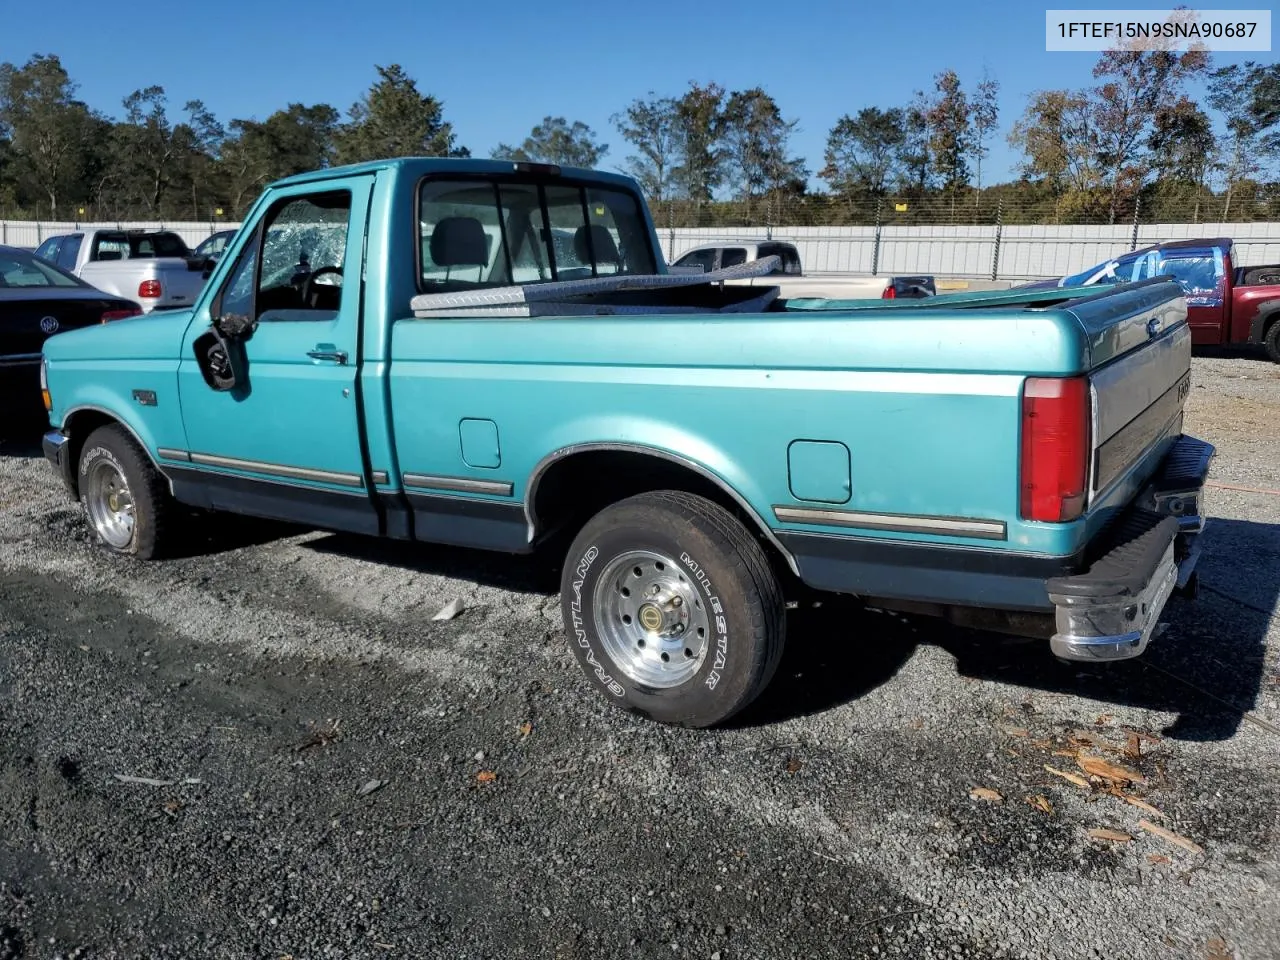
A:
152, 267
1227, 304
397, 349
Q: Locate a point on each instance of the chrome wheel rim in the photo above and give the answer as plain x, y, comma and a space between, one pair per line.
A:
110, 504
650, 619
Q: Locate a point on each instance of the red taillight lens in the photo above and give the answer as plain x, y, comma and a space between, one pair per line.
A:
149, 288
1054, 471
889, 293
109, 315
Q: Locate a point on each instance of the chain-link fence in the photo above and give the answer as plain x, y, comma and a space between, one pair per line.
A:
998, 205
989, 236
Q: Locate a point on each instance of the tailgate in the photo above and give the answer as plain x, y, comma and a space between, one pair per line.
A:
180, 281
1140, 374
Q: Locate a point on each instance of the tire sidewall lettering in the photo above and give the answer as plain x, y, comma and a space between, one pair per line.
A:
582, 568
719, 652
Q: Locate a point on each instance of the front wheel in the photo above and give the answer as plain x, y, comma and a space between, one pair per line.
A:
125, 497
673, 609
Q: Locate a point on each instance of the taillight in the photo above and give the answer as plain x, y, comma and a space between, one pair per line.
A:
1056, 435
149, 288
889, 293
109, 315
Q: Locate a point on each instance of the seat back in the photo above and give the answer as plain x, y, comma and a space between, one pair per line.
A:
601, 242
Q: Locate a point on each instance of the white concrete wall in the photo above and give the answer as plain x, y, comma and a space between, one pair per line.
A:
1026, 252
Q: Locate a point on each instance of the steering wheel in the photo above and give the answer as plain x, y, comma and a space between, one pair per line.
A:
308, 283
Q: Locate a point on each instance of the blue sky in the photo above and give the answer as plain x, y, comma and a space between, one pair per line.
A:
501, 66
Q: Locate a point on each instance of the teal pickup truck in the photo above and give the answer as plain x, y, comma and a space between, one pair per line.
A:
494, 355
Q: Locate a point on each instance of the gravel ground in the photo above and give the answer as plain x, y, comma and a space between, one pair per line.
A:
274, 673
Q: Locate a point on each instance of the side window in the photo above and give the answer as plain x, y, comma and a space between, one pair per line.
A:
1200, 276
732, 256
68, 251
49, 249
302, 262
706, 259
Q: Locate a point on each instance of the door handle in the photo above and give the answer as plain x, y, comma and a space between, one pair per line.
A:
337, 356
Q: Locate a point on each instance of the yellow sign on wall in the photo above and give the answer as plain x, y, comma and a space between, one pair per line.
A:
900, 207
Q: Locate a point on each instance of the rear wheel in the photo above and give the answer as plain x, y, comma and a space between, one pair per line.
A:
1272, 341
125, 497
673, 609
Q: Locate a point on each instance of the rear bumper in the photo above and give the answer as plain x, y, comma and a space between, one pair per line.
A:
1111, 610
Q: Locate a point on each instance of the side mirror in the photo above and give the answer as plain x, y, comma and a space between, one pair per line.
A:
221, 356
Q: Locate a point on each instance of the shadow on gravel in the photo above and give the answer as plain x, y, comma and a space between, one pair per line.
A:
23, 448
1208, 666
1243, 351
836, 652
212, 533
517, 573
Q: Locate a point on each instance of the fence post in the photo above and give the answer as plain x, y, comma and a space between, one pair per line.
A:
671, 231
1137, 207
995, 254
875, 248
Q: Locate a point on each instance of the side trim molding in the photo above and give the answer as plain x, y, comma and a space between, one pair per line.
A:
171, 454
422, 481
896, 522
278, 469
380, 477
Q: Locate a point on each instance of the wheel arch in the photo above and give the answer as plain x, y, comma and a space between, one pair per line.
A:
574, 481
80, 421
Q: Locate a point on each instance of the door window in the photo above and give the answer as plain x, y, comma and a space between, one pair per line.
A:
302, 262
68, 251
732, 257
706, 259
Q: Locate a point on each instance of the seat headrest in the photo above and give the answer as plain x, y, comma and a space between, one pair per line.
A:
459, 242
601, 240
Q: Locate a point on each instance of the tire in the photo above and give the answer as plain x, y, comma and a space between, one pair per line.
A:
1272, 341
125, 498
1260, 276
710, 640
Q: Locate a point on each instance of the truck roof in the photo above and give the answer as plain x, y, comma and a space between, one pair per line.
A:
1223, 242
421, 166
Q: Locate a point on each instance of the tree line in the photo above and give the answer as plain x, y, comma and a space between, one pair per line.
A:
704, 155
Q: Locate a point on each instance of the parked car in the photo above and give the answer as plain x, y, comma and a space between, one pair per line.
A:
792, 281
38, 300
1228, 304
211, 247
1013, 460
153, 267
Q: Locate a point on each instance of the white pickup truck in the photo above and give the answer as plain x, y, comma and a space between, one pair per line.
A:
155, 268
791, 279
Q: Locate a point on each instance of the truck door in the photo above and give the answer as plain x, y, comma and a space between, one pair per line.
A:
1202, 273
287, 443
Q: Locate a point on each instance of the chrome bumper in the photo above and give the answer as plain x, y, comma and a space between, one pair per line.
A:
1112, 610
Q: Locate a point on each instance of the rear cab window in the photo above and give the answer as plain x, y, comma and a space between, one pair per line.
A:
476, 233
122, 245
